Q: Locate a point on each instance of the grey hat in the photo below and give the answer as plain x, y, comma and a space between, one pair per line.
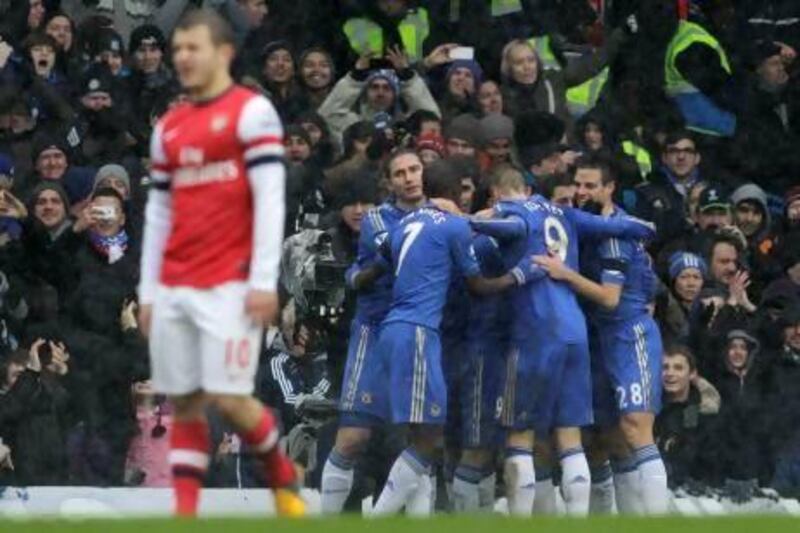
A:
113, 171
496, 126
464, 127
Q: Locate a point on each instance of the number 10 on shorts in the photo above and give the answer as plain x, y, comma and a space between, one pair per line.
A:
237, 356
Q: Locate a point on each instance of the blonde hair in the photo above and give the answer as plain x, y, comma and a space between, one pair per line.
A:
505, 62
507, 178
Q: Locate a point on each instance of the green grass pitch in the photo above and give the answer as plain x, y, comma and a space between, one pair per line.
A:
439, 524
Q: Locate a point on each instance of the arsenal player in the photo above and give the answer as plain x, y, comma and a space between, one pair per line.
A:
211, 255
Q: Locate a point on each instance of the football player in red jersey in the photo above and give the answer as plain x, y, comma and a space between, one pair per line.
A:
210, 260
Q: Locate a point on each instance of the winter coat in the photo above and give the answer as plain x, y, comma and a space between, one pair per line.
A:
769, 133
549, 93
107, 360
762, 247
742, 429
783, 386
683, 432
344, 106
51, 256
658, 201
33, 426
784, 409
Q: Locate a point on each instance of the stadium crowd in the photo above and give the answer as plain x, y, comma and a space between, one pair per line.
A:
696, 104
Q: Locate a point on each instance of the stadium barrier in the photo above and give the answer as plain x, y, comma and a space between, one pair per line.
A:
79, 502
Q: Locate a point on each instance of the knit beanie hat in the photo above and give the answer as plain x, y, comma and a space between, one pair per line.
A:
274, 46
112, 171
469, 64
464, 127
680, 261
387, 74
48, 185
496, 126
146, 32
44, 142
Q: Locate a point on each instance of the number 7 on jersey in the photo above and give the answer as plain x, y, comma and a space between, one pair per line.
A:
410, 234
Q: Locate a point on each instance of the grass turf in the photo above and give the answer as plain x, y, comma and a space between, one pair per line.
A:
439, 524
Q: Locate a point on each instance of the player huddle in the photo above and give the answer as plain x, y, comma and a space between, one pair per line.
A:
554, 347
516, 357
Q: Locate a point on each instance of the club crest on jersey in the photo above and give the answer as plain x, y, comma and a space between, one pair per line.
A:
218, 123
191, 156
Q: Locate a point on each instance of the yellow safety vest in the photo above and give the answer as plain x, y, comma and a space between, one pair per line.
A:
582, 98
365, 35
688, 33
642, 157
545, 52
505, 7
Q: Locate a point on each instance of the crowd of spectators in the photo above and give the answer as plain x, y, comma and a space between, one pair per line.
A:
696, 103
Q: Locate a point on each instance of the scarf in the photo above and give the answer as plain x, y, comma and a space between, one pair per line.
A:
10, 226
682, 188
111, 247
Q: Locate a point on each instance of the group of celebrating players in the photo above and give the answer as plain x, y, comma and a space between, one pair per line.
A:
520, 366
516, 365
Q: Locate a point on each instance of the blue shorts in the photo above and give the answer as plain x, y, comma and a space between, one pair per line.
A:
363, 400
603, 402
474, 394
548, 386
413, 355
632, 355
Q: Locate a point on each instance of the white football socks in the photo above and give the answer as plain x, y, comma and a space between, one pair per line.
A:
520, 481
601, 497
626, 486
337, 481
466, 489
575, 481
652, 480
486, 491
407, 474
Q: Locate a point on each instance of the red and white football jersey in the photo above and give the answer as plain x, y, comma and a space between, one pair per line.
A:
201, 152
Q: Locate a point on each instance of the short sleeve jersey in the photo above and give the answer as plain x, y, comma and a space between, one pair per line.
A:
200, 153
427, 247
545, 305
373, 303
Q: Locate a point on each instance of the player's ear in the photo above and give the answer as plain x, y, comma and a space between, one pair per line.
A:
228, 51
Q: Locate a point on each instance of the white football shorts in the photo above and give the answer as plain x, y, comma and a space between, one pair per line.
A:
202, 339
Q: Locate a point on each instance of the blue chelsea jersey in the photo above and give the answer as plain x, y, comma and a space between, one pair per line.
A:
427, 247
622, 262
544, 306
373, 303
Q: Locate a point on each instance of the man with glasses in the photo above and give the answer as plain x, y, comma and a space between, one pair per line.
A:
661, 199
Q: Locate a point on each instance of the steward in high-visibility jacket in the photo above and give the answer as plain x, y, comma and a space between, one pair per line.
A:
701, 113
366, 35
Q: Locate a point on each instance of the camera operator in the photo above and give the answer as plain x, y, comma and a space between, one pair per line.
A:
296, 371
315, 260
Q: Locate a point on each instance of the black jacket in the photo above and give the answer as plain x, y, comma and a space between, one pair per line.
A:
107, 360
683, 432
32, 424
742, 429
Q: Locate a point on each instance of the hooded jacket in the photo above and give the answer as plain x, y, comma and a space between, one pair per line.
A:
742, 429
754, 193
764, 247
